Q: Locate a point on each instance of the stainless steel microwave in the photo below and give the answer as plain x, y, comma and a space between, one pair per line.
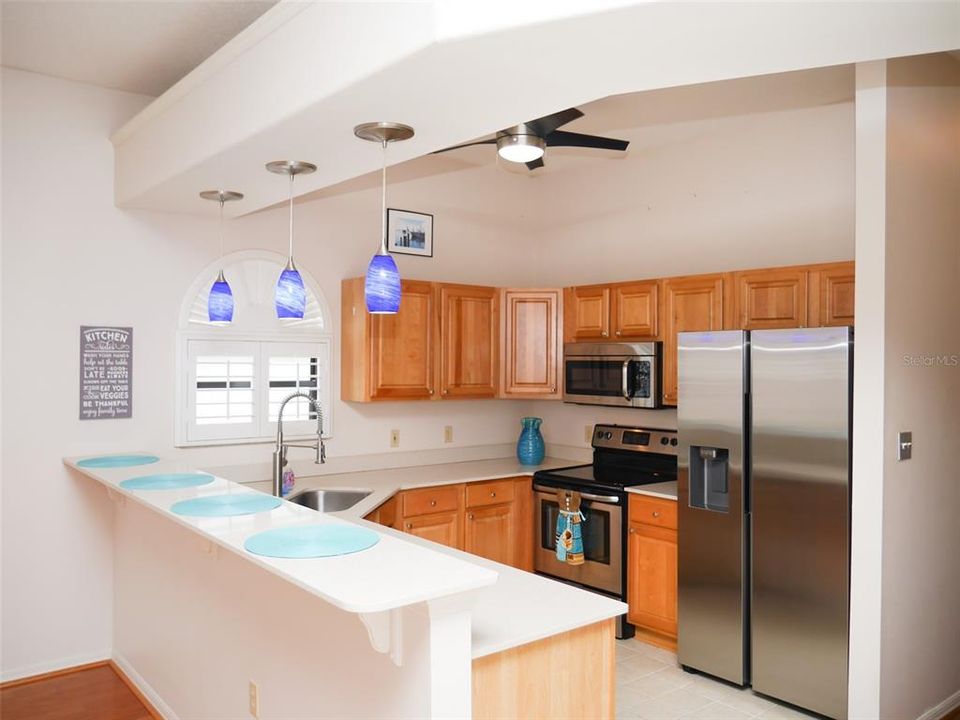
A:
617, 374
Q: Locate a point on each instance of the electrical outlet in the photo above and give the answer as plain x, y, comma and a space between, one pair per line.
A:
588, 433
394, 438
254, 693
448, 433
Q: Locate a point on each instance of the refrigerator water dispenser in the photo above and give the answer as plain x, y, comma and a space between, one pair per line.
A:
709, 486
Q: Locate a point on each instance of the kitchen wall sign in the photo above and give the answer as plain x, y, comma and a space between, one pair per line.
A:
409, 233
106, 372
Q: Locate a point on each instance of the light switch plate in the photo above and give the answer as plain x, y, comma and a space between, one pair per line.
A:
904, 446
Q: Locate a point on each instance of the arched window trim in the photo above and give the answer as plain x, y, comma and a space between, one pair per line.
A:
258, 340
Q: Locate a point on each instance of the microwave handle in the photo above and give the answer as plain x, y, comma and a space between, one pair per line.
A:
625, 380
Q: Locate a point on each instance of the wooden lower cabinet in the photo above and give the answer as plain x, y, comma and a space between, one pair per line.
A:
492, 519
522, 682
444, 528
652, 569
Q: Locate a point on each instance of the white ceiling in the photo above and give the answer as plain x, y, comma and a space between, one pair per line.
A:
140, 46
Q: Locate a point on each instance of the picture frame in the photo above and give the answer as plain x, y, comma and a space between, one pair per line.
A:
409, 232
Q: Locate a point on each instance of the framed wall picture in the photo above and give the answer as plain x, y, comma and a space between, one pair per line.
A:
409, 233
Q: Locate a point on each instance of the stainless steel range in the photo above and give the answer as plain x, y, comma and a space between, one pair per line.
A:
622, 457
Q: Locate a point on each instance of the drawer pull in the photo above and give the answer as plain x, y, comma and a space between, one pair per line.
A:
470, 516
409, 525
433, 503
493, 494
656, 513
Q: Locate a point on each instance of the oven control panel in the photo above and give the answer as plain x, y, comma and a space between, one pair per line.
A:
622, 437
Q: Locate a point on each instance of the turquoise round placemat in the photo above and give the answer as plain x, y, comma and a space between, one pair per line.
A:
226, 505
166, 481
117, 461
311, 541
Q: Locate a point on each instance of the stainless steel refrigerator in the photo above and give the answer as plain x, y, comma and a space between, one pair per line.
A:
764, 421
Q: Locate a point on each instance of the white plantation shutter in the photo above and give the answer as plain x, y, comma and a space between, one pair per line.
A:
297, 367
234, 389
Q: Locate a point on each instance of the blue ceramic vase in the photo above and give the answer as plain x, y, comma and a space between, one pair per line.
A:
530, 448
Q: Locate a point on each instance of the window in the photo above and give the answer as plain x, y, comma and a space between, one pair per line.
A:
233, 380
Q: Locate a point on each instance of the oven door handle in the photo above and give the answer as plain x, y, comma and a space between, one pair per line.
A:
625, 381
586, 496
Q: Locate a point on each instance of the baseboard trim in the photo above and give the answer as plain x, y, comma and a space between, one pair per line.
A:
142, 689
944, 709
41, 671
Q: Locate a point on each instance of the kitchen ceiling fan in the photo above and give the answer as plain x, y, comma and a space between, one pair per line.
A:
527, 142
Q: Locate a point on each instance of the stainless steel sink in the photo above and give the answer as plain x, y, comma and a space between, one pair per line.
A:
328, 500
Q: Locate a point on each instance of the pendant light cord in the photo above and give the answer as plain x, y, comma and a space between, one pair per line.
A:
291, 216
221, 228
383, 202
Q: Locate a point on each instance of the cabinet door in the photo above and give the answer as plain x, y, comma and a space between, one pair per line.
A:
402, 346
775, 298
443, 528
689, 303
469, 341
832, 292
586, 313
531, 343
652, 578
491, 532
634, 310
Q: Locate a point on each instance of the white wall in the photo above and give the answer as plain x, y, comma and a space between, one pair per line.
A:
70, 258
920, 657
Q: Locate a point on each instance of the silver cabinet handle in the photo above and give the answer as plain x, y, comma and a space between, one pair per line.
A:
624, 380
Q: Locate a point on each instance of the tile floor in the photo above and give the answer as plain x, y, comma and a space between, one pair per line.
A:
651, 686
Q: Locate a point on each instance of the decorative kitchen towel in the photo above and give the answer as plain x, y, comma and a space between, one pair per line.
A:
569, 536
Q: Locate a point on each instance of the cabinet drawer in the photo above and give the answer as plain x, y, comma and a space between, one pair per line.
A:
653, 511
490, 493
431, 500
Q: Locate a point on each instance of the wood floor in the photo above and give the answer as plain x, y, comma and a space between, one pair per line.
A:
94, 693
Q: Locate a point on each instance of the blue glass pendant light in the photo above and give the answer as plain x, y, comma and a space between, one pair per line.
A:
382, 285
220, 300
290, 296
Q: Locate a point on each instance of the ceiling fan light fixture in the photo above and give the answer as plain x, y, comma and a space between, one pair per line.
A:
520, 148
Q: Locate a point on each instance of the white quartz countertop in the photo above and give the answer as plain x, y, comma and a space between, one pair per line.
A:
383, 484
666, 490
513, 607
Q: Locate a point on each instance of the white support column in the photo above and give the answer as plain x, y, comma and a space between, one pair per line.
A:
868, 392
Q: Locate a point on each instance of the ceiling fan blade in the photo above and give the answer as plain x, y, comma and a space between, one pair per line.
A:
491, 141
534, 164
548, 123
569, 139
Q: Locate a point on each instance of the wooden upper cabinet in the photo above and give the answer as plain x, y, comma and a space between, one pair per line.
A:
388, 357
586, 313
634, 310
771, 298
831, 294
530, 343
469, 341
689, 303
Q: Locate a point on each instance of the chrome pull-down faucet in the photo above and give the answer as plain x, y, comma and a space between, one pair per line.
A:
280, 451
